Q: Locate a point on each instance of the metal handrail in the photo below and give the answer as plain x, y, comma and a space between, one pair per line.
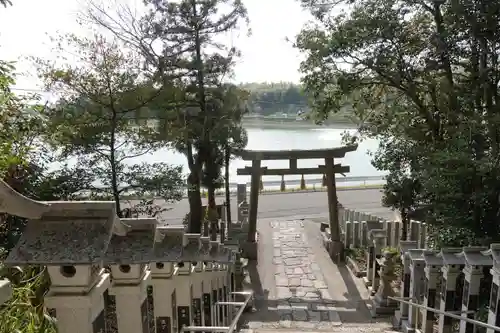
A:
468, 320
225, 329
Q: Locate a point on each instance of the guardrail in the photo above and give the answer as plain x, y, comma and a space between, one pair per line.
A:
447, 314
361, 180
318, 180
226, 329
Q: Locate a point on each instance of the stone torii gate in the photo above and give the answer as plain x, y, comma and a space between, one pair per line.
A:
256, 171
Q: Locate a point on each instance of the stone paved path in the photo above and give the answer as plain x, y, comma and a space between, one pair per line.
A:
291, 292
299, 280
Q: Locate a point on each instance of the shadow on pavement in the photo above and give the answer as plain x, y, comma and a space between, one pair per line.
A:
297, 309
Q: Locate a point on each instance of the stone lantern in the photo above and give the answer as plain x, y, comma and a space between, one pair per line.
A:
494, 308
71, 239
476, 262
128, 254
382, 302
370, 254
379, 239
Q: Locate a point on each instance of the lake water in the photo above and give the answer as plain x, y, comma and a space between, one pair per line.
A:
284, 138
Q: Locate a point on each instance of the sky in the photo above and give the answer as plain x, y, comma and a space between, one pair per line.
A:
266, 54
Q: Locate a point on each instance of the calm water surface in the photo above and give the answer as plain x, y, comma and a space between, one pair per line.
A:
277, 139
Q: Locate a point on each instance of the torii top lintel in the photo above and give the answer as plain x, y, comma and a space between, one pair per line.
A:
338, 152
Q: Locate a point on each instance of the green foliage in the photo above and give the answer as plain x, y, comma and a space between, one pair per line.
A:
275, 99
194, 57
24, 166
93, 122
5, 3
269, 99
24, 312
415, 74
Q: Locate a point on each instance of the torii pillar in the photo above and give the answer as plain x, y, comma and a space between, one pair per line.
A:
336, 248
250, 247
330, 169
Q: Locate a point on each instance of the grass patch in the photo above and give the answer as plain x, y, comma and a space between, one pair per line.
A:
358, 254
25, 312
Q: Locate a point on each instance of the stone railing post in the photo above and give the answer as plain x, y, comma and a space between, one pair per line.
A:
382, 304
239, 275
401, 316
494, 308
475, 262
197, 277
414, 231
356, 239
379, 241
71, 239
452, 267
388, 226
5, 291
128, 253
223, 293
342, 217
422, 234
168, 249
222, 232
183, 289
370, 253
164, 296
208, 300
241, 195
222, 214
216, 296
216, 286
417, 276
348, 234
363, 234
397, 234
356, 216
193, 251
224, 257
433, 264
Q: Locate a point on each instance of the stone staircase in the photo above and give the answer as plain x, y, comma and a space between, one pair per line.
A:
297, 288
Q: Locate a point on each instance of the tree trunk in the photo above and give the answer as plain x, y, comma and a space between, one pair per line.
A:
112, 159
404, 222
194, 197
227, 157
213, 214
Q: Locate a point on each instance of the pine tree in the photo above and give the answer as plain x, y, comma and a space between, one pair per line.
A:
186, 31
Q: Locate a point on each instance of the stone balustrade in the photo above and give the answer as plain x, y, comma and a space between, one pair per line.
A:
449, 280
354, 228
122, 275
461, 281
454, 280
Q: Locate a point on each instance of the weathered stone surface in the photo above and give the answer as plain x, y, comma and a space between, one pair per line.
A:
300, 288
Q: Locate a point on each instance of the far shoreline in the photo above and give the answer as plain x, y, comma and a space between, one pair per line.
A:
293, 125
